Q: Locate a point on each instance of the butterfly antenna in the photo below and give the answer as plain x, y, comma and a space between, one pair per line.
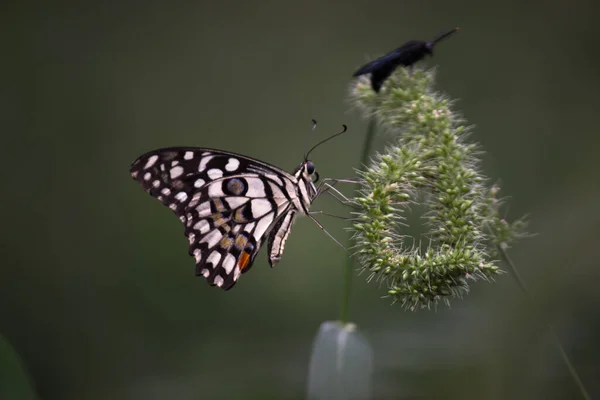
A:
314, 121
345, 128
444, 36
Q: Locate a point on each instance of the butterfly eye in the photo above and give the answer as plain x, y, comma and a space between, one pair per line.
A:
310, 167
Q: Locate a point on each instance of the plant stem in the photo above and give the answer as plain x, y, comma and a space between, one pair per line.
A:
584, 394
368, 143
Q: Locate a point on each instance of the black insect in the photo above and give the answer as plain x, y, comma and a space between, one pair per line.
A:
407, 54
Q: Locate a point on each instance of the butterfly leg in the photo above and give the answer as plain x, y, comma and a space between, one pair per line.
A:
339, 196
332, 215
342, 180
325, 186
328, 234
333, 181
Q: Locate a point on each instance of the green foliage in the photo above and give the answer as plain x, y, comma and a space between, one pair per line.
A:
14, 380
431, 163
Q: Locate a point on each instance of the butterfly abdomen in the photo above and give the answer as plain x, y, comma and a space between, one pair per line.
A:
278, 237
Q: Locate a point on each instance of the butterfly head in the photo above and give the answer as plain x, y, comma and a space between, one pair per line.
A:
307, 172
306, 176
309, 168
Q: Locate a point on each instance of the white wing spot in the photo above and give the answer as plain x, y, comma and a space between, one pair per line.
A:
156, 183
248, 228
218, 281
203, 209
181, 196
174, 163
255, 188
205, 272
203, 162
235, 202
147, 176
192, 238
260, 207
166, 191
188, 155
212, 238
232, 164
176, 172
197, 255
262, 226
214, 258
229, 263
173, 206
214, 173
236, 273
195, 200
215, 190
199, 183
151, 161
202, 226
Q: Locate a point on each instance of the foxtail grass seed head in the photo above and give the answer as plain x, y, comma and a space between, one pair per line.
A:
430, 162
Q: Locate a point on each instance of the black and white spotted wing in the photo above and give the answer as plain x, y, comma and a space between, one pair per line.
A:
228, 203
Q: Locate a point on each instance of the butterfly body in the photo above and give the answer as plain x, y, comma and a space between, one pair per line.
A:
229, 204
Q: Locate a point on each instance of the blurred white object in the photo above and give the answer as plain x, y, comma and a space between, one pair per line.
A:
341, 364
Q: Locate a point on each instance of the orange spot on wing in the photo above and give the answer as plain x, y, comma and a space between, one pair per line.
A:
243, 261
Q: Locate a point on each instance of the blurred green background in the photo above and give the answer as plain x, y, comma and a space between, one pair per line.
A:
97, 293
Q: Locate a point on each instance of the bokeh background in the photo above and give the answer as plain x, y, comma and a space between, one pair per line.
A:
97, 293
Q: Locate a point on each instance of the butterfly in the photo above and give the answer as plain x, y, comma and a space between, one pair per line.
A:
229, 204
407, 54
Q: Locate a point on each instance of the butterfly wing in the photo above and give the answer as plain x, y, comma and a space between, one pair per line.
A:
166, 173
227, 202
